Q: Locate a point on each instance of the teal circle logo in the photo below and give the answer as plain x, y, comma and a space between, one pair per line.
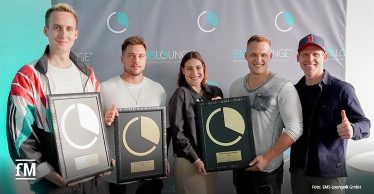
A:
120, 23
207, 21
284, 23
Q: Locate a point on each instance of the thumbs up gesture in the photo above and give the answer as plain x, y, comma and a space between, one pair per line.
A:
345, 129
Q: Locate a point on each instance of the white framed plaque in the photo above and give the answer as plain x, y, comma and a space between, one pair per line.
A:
139, 143
79, 132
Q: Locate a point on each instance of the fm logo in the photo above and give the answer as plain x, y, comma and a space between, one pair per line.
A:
25, 169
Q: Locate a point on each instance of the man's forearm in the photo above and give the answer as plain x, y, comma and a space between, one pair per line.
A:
283, 142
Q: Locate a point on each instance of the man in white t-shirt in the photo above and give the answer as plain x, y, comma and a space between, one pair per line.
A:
132, 89
29, 127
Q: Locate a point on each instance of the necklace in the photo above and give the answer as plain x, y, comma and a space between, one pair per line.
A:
136, 100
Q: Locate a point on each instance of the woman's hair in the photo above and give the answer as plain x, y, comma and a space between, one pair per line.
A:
191, 55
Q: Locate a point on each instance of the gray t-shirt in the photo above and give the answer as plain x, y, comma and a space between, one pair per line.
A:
275, 106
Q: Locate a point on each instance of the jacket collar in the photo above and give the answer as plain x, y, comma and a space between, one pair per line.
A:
326, 79
42, 64
206, 92
205, 89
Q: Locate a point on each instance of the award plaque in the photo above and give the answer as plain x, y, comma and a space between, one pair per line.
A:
140, 143
225, 133
80, 140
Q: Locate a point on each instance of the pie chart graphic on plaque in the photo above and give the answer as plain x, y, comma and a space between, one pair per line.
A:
149, 131
78, 121
232, 121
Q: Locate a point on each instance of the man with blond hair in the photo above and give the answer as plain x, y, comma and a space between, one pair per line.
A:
29, 125
276, 119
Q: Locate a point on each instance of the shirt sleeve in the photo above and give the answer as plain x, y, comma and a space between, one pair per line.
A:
351, 105
176, 118
22, 117
290, 111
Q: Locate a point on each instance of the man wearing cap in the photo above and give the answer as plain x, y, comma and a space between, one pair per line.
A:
331, 115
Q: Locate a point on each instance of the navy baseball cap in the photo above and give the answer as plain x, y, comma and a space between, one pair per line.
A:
311, 39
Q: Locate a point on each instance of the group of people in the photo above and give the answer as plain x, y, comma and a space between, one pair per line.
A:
316, 117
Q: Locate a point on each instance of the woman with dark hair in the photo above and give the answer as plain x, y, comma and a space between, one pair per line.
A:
191, 177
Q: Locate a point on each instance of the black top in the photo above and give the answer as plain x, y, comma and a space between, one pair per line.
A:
182, 113
308, 97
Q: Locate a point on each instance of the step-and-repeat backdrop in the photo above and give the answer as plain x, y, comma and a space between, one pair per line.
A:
219, 29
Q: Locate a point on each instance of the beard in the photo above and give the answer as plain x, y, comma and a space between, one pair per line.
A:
134, 72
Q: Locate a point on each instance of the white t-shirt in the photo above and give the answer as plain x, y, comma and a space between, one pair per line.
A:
125, 95
64, 80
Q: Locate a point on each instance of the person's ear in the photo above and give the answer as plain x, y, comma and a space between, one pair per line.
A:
45, 31
325, 56
76, 35
246, 56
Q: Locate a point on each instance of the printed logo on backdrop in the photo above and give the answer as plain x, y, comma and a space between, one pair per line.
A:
281, 54
85, 56
117, 22
165, 56
336, 53
207, 21
284, 21
212, 83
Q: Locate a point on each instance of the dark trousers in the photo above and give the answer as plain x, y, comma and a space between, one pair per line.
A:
153, 186
93, 186
247, 182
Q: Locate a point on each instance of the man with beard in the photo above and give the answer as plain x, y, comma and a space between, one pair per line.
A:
132, 89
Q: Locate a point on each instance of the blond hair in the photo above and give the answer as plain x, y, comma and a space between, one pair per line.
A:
64, 7
259, 38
